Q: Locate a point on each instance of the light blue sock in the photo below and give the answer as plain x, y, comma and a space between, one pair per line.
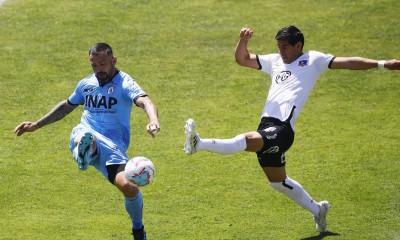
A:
134, 206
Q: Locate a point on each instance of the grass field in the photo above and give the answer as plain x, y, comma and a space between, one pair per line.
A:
182, 53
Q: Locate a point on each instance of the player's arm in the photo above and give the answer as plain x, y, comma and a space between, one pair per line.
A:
152, 113
359, 63
242, 55
58, 112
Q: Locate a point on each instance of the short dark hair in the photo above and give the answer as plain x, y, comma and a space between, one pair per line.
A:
98, 48
291, 34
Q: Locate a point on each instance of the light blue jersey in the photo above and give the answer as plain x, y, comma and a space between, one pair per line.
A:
107, 113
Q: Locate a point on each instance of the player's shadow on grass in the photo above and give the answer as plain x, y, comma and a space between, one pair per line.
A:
321, 236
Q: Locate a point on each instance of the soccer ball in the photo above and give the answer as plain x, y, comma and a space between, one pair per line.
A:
139, 171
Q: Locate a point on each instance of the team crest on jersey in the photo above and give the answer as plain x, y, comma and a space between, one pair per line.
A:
110, 90
303, 63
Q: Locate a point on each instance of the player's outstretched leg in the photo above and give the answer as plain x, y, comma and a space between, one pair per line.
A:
194, 143
320, 220
83, 151
192, 137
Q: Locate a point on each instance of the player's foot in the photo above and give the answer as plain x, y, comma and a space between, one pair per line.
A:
320, 220
84, 151
139, 234
192, 138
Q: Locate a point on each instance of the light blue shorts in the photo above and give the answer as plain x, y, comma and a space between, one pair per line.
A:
109, 152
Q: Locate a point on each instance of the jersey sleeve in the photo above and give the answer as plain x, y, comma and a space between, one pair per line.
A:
265, 62
76, 97
133, 90
321, 60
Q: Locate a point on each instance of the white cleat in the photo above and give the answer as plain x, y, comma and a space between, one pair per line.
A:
192, 137
320, 221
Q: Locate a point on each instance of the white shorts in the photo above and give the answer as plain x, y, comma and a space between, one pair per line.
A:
109, 151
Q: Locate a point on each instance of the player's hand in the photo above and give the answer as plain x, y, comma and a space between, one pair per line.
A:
25, 127
153, 128
392, 64
246, 33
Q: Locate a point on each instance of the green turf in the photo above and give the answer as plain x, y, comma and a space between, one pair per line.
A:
182, 54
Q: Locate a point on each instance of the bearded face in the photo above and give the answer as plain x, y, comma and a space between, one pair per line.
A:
103, 66
104, 77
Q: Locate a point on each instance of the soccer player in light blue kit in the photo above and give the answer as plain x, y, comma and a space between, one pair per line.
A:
102, 137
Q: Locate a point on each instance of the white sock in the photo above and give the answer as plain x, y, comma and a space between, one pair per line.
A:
296, 192
75, 153
223, 146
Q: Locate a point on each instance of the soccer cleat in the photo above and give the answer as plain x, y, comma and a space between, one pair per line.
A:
139, 234
192, 138
84, 151
320, 220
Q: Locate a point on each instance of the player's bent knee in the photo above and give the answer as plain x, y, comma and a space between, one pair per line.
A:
254, 141
124, 186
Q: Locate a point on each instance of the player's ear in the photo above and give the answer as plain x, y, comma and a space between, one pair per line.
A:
114, 60
298, 46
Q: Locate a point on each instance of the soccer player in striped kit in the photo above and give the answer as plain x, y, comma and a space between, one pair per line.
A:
293, 74
102, 137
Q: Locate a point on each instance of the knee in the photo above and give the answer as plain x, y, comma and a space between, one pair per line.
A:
124, 186
254, 141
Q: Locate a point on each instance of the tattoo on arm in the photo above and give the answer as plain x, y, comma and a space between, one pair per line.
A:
58, 112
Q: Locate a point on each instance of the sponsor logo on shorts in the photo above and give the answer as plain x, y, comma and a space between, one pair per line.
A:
270, 130
270, 137
273, 149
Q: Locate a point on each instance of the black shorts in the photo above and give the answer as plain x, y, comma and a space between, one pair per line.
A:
113, 170
278, 137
